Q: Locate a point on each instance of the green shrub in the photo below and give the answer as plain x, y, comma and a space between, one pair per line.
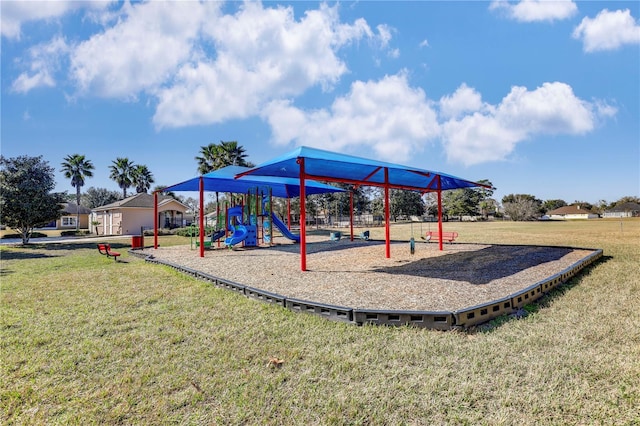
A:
33, 235
149, 232
74, 233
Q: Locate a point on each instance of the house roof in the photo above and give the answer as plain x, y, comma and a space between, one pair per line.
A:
331, 166
142, 200
223, 180
73, 208
572, 209
626, 207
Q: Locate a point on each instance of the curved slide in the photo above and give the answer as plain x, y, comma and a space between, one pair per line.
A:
283, 229
239, 235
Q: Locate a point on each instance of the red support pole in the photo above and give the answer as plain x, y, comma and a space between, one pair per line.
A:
155, 220
269, 191
226, 219
218, 217
257, 208
351, 212
201, 216
387, 214
289, 212
303, 218
440, 212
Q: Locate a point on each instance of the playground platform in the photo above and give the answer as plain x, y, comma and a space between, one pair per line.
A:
351, 281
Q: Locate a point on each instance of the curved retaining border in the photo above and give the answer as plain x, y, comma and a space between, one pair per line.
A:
438, 320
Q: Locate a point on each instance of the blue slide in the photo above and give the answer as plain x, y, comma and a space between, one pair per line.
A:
283, 228
239, 235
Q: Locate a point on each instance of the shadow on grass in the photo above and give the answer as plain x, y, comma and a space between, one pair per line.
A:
24, 255
480, 266
544, 302
72, 246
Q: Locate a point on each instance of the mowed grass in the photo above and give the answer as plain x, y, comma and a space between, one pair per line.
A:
85, 340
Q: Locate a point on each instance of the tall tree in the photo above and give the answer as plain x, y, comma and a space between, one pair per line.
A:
141, 178
521, 206
460, 202
76, 167
213, 157
162, 190
549, 205
208, 159
96, 197
468, 201
233, 154
26, 200
216, 156
405, 203
121, 173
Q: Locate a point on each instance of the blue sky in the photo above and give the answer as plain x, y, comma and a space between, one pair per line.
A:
539, 97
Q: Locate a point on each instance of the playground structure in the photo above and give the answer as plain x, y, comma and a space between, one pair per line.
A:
248, 220
291, 174
307, 170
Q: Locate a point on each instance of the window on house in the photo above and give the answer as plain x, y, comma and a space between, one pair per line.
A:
68, 220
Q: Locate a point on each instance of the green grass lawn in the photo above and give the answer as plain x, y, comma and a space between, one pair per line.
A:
86, 340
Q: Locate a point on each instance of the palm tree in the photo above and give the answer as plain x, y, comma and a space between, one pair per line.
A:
141, 178
121, 173
233, 154
76, 168
161, 190
216, 156
209, 159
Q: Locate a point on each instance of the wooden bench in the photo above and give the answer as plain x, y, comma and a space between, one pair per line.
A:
105, 249
446, 236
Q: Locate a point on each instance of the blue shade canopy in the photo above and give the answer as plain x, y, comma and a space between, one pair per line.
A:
332, 166
222, 180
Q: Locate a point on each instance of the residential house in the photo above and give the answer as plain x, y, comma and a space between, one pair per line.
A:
624, 210
70, 216
130, 215
574, 211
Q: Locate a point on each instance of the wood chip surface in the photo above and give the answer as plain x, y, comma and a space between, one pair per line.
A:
357, 274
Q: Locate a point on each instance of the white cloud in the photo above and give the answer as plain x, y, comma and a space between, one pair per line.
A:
44, 63
493, 133
16, 13
465, 99
262, 54
608, 30
396, 121
385, 34
202, 66
536, 10
478, 138
550, 109
424, 43
387, 116
142, 51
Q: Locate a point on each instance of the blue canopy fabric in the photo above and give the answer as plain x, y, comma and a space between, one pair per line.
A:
332, 166
222, 180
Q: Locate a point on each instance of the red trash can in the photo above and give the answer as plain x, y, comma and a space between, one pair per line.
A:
136, 242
